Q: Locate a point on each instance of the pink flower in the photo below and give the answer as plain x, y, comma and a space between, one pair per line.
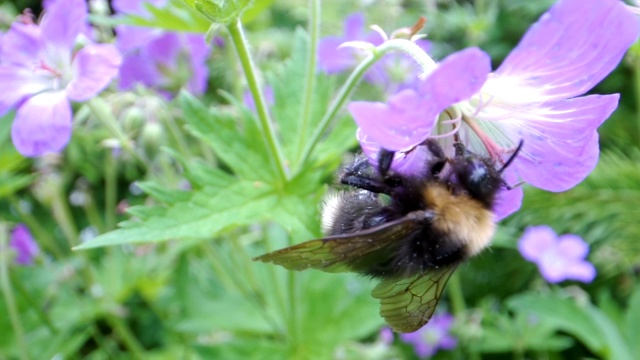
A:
40, 71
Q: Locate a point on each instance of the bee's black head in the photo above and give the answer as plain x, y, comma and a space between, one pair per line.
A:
478, 175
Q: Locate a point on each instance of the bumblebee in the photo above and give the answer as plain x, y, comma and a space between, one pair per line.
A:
408, 231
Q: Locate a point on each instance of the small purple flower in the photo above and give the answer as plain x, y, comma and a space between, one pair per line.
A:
534, 96
166, 61
386, 336
25, 247
432, 337
393, 72
40, 71
558, 258
333, 59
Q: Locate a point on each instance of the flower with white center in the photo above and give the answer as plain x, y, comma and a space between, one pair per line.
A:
534, 97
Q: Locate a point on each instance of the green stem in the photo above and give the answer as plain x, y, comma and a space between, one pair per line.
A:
38, 309
127, 337
293, 309
268, 132
62, 214
310, 76
178, 136
111, 191
402, 45
7, 293
44, 237
455, 295
103, 113
91, 210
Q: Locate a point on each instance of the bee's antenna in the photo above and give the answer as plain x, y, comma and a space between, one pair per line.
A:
512, 157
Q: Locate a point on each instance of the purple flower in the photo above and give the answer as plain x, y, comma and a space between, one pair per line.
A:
40, 71
533, 96
333, 59
166, 61
22, 242
393, 72
434, 336
558, 257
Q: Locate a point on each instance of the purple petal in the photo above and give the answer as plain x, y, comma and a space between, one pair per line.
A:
403, 122
536, 241
332, 59
572, 47
572, 246
135, 69
582, 271
17, 83
560, 140
94, 67
386, 336
42, 124
553, 267
21, 44
508, 201
136, 7
353, 26
62, 23
23, 243
130, 37
408, 117
457, 78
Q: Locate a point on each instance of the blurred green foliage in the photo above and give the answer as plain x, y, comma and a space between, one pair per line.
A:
181, 284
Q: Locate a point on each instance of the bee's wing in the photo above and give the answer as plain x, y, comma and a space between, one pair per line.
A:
339, 253
407, 304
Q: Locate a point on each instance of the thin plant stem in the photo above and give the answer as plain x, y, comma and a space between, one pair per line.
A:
124, 333
93, 214
268, 131
345, 91
111, 190
455, 295
7, 293
310, 75
38, 309
44, 237
62, 214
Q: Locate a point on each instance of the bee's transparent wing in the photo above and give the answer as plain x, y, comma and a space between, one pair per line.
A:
408, 304
344, 253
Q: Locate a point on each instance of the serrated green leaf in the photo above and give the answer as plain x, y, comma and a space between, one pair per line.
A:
289, 88
222, 11
175, 15
586, 322
163, 194
237, 142
205, 215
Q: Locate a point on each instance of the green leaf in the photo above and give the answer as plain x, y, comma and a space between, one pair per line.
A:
289, 88
204, 215
238, 143
585, 322
175, 15
631, 325
222, 11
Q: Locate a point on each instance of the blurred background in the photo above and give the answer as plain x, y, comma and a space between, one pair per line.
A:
179, 283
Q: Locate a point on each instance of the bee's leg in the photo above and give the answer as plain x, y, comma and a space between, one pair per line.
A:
358, 174
439, 160
361, 175
364, 183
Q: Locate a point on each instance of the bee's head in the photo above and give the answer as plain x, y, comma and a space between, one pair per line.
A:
478, 175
